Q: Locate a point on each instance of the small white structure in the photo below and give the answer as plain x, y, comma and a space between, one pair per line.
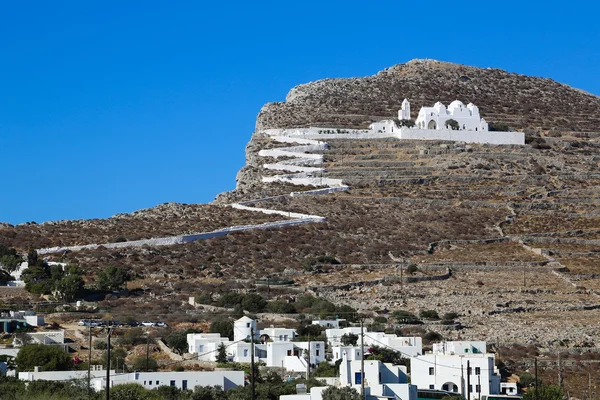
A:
242, 329
382, 380
328, 323
451, 370
205, 345
290, 356
407, 346
509, 388
277, 334
350, 353
315, 393
404, 112
435, 117
460, 347
334, 335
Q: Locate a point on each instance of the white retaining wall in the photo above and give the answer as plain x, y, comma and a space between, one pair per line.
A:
491, 137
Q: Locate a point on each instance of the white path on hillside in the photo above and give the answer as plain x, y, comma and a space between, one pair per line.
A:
297, 164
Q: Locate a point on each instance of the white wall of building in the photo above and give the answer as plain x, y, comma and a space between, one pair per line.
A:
449, 372
334, 335
491, 137
407, 346
328, 323
182, 380
279, 334
350, 353
460, 347
205, 345
242, 329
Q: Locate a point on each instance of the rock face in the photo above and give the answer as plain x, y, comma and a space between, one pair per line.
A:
517, 100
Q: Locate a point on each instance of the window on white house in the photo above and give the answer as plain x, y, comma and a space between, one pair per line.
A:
477, 371
157, 382
477, 388
445, 387
431, 371
471, 388
184, 384
247, 324
172, 383
431, 386
245, 352
317, 353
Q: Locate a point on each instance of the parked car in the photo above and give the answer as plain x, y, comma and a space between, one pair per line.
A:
147, 323
162, 324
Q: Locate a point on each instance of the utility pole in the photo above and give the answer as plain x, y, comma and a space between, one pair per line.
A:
252, 363
147, 349
468, 380
560, 377
362, 361
107, 389
308, 361
589, 384
478, 387
90, 359
462, 378
536, 379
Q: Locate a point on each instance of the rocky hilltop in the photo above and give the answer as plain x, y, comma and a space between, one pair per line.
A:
517, 100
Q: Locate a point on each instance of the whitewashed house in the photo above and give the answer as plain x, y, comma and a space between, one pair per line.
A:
407, 346
277, 334
185, 380
328, 323
242, 329
460, 367
334, 335
205, 345
291, 356
382, 380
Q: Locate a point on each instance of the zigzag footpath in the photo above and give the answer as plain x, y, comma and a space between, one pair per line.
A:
304, 176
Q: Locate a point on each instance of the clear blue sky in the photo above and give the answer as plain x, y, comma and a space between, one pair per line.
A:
113, 106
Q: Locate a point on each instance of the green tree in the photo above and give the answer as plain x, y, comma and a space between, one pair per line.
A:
452, 124
117, 357
134, 336
129, 391
209, 393
178, 342
222, 353
254, 303
324, 369
526, 379
429, 314
345, 393
349, 339
387, 355
223, 327
49, 358
68, 284
544, 392
112, 278
141, 363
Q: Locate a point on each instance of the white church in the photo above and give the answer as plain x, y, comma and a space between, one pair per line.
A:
435, 117
431, 124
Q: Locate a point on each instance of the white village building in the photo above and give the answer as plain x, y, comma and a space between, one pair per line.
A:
273, 346
460, 367
435, 117
407, 346
185, 380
